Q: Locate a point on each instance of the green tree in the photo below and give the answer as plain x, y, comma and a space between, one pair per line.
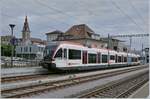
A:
6, 50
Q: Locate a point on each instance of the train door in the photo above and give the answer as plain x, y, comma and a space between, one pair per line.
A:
84, 57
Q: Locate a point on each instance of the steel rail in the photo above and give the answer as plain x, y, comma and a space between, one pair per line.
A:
10, 79
26, 90
22, 77
109, 86
132, 89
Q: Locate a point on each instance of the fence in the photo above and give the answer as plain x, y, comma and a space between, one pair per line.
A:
19, 63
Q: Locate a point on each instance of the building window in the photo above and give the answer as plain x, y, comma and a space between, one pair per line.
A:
115, 48
104, 59
24, 49
112, 57
91, 58
21, 49
74, 54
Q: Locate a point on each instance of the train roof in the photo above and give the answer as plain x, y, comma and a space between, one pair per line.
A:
80, 46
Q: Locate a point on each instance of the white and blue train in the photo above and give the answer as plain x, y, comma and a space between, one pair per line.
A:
69, 56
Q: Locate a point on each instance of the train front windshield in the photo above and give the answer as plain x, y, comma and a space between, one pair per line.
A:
49, 51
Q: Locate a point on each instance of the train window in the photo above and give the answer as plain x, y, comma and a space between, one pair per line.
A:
104, 59
65, 53
119, 58
59, 53
74, 54
91, 58
139, 58
112, 57
122, 59
125, 59
132, 59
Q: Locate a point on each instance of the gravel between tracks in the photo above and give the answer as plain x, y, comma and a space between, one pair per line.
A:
68, 91
116, 89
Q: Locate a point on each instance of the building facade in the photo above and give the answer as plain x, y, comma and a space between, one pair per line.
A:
86, 36
30, 51
31, 48
51, 36
5, 39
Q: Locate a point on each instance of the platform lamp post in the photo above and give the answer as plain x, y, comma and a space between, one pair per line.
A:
12, 48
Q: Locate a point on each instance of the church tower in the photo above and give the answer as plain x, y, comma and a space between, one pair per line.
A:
26, 32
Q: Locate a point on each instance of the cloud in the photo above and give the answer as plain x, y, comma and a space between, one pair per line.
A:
101, 15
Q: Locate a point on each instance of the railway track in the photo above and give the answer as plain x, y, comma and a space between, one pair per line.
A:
23, 77
41, 87
118, 89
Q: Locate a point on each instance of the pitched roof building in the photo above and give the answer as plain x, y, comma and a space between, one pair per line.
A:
86, 36
80, 31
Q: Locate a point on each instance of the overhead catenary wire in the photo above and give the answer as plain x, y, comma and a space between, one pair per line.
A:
122, 11
128, 16
54, 9
60, 11
131, 35
40, 2
136, 11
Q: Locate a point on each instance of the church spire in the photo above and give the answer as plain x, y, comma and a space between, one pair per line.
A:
26, 32
26, 26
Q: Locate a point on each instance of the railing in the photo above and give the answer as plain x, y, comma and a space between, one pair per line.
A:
19, 63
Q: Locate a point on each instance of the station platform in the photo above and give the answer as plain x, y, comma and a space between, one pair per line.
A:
142, 92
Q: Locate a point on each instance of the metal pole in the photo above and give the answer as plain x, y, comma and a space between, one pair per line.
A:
130, 42
12, 48
108, 49
142, 55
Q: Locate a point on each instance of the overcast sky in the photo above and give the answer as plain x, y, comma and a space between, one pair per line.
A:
102, 16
